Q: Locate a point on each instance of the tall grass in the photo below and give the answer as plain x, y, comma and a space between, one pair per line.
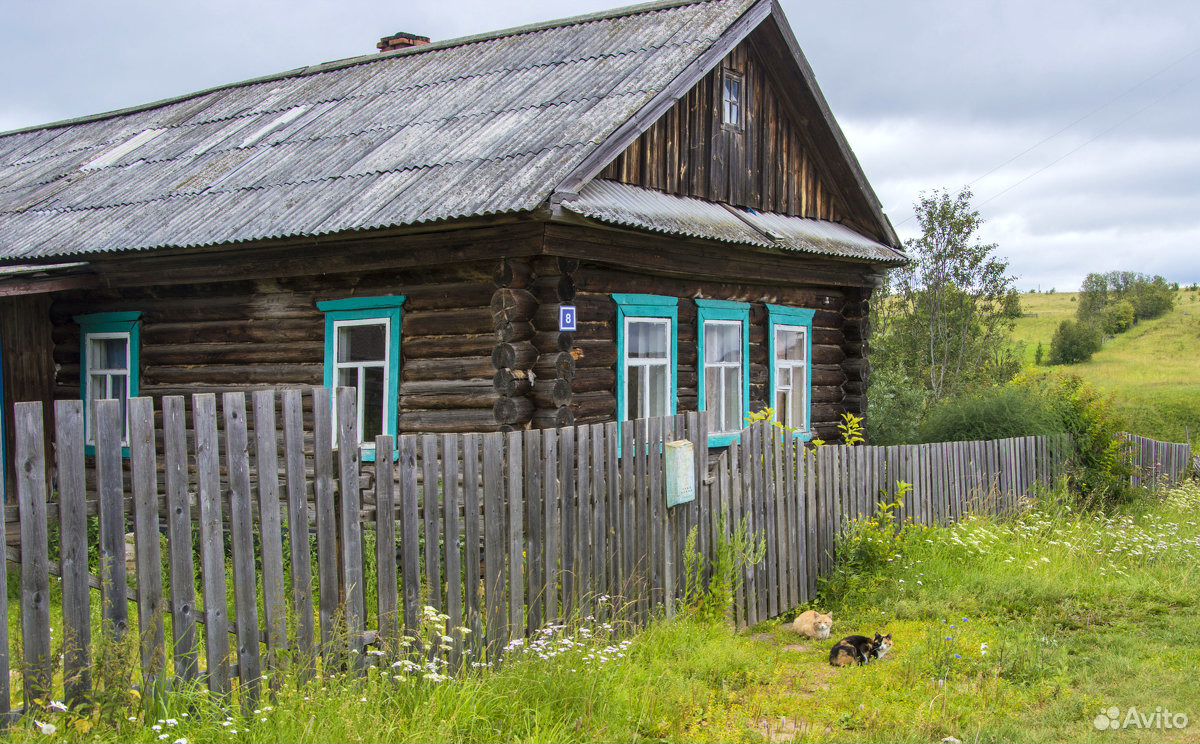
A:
1006, 630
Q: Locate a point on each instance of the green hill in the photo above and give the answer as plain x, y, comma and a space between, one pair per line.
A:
1153, 370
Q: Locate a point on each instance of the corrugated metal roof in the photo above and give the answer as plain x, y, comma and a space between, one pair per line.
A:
633, 206
481, 126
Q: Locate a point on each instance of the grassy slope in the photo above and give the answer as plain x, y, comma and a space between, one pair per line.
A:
1153, 370
1079, 612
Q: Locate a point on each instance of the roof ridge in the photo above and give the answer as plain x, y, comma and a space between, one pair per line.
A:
619, 12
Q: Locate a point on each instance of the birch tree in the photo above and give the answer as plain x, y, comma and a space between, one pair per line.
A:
946, 317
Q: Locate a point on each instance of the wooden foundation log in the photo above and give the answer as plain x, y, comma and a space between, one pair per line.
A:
594, 353
460, 368
590, 379
510, 305
447, 394
553, 418
454, 322
511, 382
552, 393
439, 347
513, 410
598, 403
552, 341
437, 422
513, 273
509, 331
518, 355
557, 366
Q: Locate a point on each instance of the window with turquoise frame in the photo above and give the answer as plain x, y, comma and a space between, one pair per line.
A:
362, 351
647, 356
789, 348
723, 340
110, 346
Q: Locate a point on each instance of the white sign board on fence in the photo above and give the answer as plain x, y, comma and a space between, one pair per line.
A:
681, 472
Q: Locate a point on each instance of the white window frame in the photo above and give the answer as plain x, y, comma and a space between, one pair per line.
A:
635, 365
738, 365
108, 373
385, 365
733, 104
796, 367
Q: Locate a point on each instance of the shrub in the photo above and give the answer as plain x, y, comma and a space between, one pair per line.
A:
1074, 342
895, 405
1118, 317
1039, 356
1152, 298
994, 413
1100, 472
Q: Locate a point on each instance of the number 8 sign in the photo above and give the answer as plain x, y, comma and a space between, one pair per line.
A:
566, 318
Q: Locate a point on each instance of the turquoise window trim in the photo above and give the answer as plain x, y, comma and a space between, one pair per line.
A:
129, 322
388, 308
778, 315
722, 310
646, 306
362, 303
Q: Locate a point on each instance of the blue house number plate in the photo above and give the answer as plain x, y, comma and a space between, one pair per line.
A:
566, 317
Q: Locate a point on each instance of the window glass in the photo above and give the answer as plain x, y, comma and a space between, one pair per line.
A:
110, 353
723, 388
648, 346
732, 99
790, 345
791, 376
362, 343
107, 376
362, 359
731, 406
372, 400
723, 342
648, 340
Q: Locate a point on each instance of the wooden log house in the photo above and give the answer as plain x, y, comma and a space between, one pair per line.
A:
412, 222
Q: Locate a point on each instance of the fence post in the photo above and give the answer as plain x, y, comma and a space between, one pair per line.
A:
35, 561
352, 554
241, 538
144, 476
109, 474
212, 543
76, 594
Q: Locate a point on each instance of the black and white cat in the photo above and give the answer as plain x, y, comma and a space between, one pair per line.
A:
858, 649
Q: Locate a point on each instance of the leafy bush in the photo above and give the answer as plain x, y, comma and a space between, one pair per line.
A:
1074, 342
1100, 472
1118, 317
1153, 299
994, 413
895, 405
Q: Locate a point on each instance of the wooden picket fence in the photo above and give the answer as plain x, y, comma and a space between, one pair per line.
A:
1158, 464
503, 532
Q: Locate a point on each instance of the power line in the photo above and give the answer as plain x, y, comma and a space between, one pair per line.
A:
1089, 141
1076, 121
1086, 116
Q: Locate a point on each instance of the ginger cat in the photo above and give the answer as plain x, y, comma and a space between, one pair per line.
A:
812, 624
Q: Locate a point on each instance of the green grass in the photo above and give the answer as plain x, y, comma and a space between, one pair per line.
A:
1079, 611
1152, 371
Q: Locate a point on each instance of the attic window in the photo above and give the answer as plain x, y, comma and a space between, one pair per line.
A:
732, 97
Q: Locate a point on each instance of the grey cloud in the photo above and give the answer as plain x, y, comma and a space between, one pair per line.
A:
931, 93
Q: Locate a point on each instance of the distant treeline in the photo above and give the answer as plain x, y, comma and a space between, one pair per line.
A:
1109, 304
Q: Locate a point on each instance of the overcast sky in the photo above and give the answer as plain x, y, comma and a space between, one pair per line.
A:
931, 94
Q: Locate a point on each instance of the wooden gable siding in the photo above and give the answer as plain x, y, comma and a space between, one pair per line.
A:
769, 165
